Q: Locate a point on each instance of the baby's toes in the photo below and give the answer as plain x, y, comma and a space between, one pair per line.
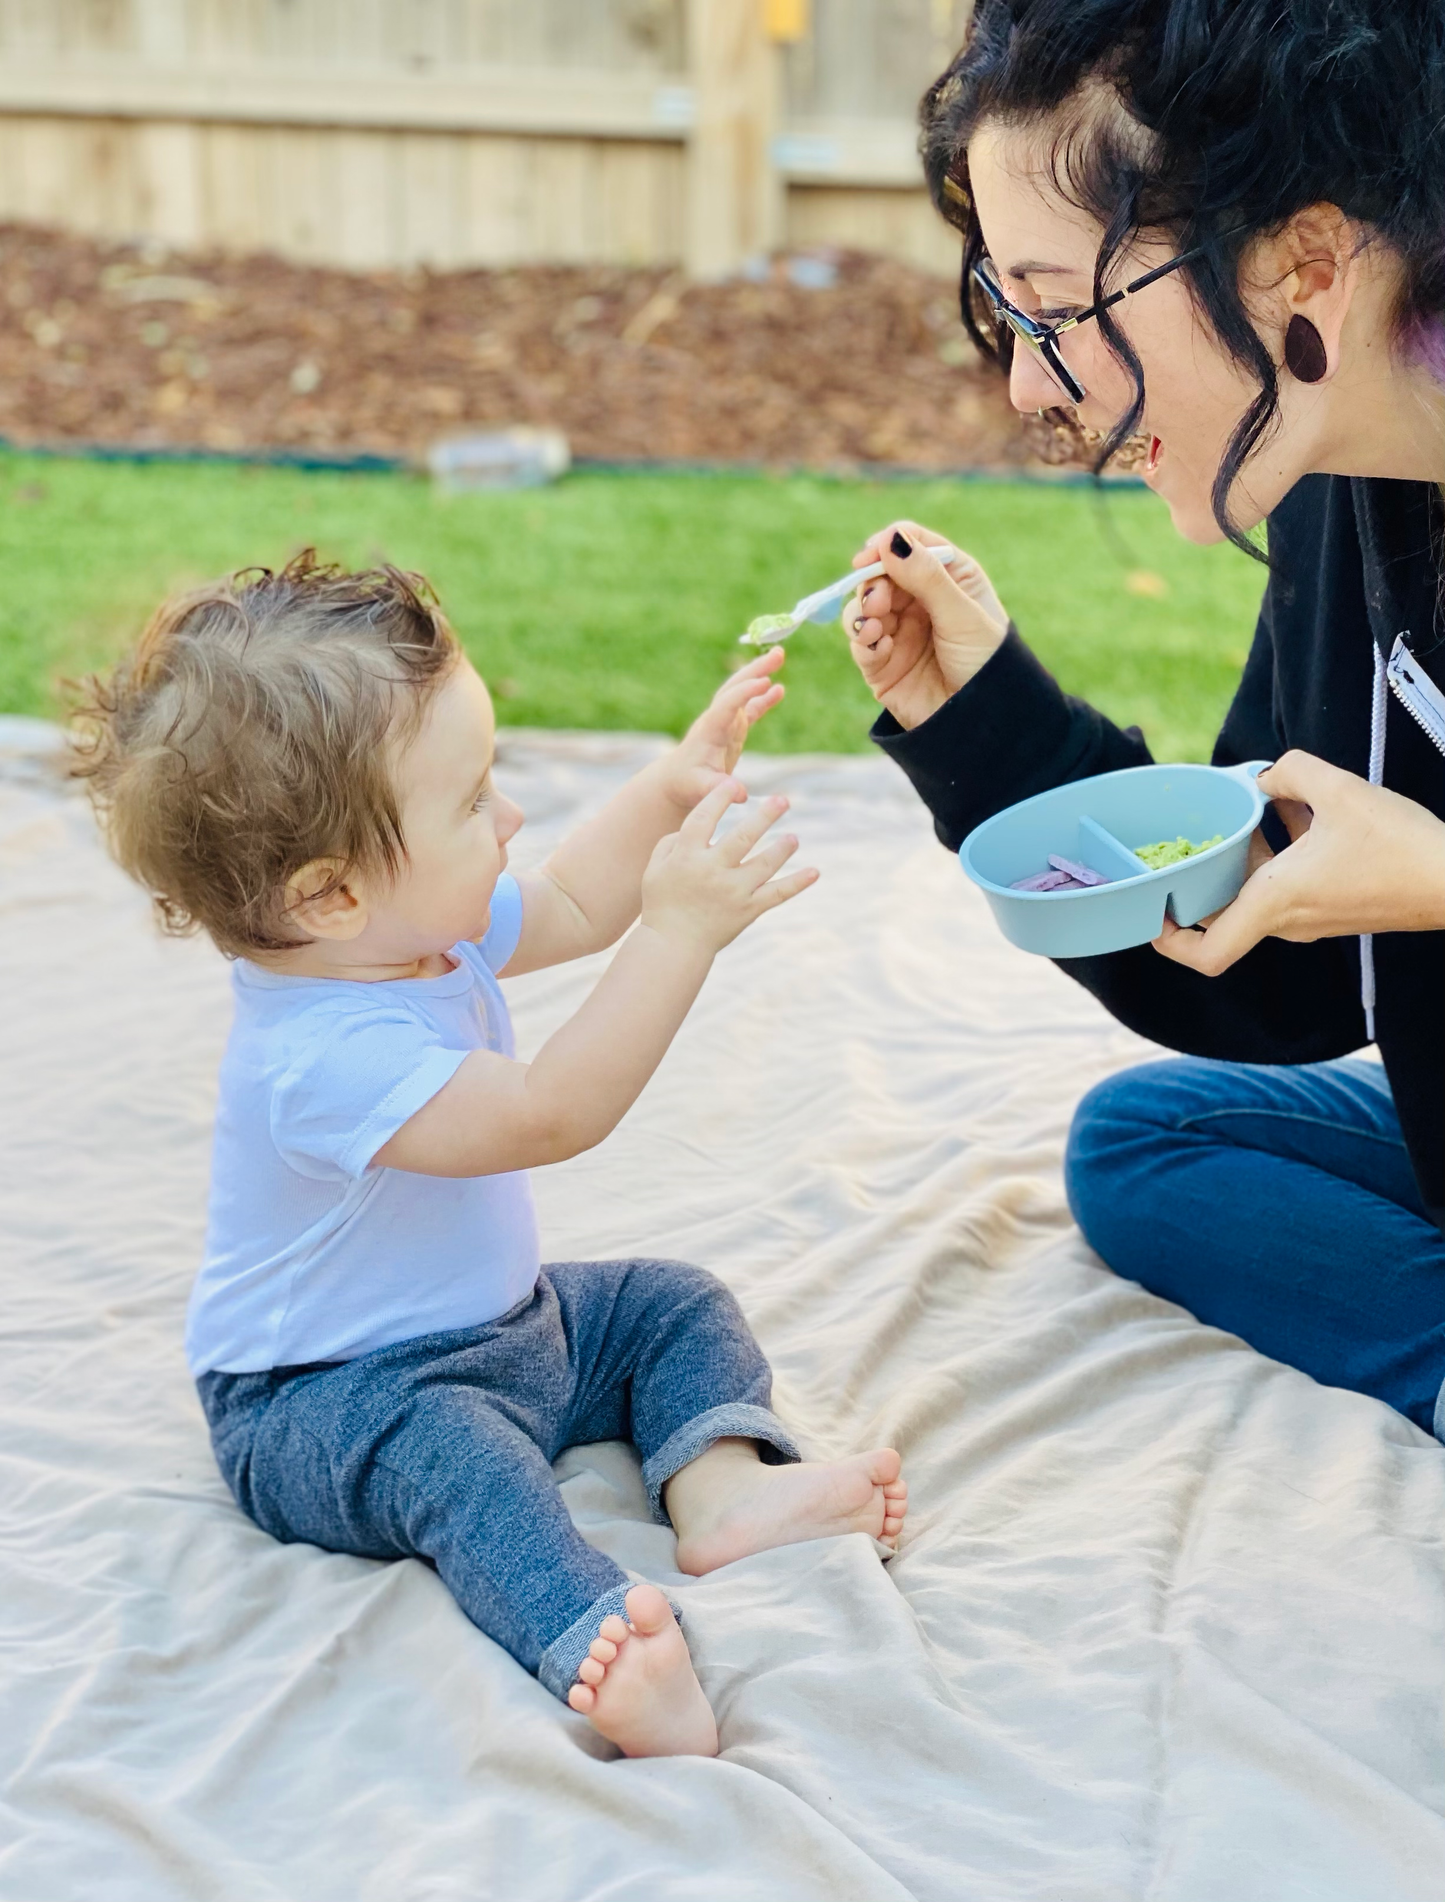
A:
581, 1698
614, 1628
603, 1649
591, 1671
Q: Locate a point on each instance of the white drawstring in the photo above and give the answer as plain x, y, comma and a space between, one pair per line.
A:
1378, 704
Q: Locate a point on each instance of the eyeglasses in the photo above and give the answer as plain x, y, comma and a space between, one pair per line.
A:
1042, 339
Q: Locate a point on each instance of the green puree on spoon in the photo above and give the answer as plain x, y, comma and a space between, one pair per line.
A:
764, 626
827, 603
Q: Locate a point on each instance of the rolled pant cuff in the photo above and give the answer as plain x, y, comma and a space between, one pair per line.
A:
737, 1421
557, 1668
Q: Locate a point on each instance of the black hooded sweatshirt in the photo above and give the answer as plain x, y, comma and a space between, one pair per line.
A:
1354, 563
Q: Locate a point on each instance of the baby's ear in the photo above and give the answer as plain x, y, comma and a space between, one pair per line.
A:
320, 901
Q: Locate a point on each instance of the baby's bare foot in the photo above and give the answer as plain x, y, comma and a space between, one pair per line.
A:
748, 1507
638, 1686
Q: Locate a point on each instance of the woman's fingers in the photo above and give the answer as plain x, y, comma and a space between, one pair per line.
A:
861, 624
1210, 952
877, 597
967, 620
1260, 851
1305, 778
1295, 782
1258, 912
908, 563
1362, 858
914, 532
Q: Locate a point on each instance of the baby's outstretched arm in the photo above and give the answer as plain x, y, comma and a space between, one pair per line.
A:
698, 894
589, 891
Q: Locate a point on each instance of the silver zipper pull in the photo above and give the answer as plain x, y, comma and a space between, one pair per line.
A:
1416, 691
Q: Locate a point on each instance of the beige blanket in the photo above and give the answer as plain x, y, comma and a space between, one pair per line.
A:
1168, 1623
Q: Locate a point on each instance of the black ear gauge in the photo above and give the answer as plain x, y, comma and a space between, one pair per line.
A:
1304, 351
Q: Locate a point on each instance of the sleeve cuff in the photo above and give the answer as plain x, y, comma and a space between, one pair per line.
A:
1001, 737
505, 930
1009, 733
414, 1092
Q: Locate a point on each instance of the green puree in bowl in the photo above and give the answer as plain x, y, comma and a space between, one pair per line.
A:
1171, 851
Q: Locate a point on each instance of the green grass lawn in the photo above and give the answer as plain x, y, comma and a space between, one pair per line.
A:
616, 600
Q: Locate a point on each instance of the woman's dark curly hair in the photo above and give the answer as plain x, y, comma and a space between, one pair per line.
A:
1211, 123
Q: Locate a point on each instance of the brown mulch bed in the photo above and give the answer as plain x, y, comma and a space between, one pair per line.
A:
140, 346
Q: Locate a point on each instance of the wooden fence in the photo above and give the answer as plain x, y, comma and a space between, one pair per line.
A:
455, 132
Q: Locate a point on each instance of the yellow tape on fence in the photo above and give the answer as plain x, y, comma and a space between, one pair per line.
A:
786, 20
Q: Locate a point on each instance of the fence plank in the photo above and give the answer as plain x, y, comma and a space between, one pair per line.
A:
871, 59
896, 224
168, 165
496, 99
373, 132
366, 232
735, 205
498, 201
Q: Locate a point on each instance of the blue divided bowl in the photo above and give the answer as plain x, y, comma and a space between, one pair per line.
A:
1098, 822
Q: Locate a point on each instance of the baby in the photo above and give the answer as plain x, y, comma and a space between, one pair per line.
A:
301, 764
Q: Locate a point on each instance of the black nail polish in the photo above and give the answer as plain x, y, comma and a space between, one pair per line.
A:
900, 545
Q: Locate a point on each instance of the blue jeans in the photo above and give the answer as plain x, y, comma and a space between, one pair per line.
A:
440, 1448
1277, 1203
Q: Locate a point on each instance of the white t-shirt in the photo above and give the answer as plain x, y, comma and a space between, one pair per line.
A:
313, 1252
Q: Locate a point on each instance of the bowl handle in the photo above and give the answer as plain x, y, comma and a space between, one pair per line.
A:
1249, 772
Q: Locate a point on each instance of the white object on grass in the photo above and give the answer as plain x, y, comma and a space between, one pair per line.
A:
520, 458
826, 604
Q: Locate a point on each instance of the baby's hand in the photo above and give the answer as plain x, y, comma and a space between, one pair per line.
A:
707, 891
921, 630
715, 740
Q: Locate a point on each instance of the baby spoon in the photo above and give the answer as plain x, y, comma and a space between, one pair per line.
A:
825, 605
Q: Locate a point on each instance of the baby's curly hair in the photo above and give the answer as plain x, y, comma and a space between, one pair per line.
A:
252, 730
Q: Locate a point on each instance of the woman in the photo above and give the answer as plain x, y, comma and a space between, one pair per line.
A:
1275, 176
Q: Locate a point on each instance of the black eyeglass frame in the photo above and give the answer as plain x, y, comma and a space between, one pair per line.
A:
1043, 338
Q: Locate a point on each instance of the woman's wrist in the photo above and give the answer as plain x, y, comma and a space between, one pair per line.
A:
911, 710
916, 699
919, 697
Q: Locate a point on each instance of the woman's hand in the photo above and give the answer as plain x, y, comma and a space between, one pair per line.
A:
921, 630
1361, 859
712, 745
